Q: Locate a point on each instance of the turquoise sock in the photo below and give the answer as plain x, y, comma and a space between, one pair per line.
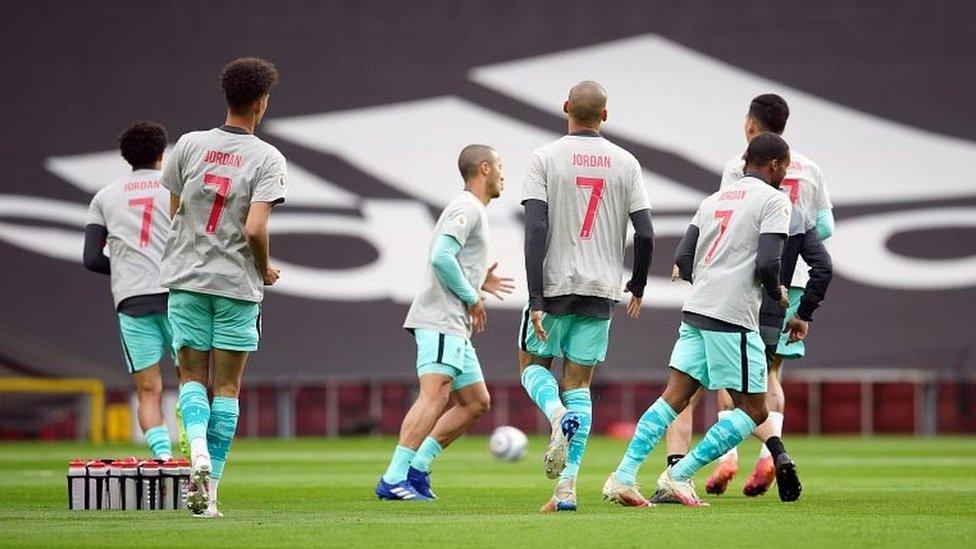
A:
397, 471
196, 409
543, 389
429, 450
220, 431
649, 431
726, 434
578, 400
158, 440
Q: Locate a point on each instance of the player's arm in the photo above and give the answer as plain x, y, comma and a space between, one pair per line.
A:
174, 204
825, 223
768, 262
536, 247
443, 258
93, 257
684, 256
815, 254
643, 252
256, 232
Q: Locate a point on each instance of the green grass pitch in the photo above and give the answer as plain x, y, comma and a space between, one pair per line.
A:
857, 492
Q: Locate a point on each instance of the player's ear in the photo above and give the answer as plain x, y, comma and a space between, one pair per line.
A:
566, 106
604, 114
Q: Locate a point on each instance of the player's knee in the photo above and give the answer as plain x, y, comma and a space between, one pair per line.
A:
757, 411
228, 388
149, 387
479, 407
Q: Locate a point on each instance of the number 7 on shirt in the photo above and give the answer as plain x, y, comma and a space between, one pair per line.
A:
596, 194
724, 216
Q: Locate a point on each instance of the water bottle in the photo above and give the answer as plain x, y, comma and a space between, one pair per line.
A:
77, 480
115, 485
185, 471
170, 480
149, 473
97, 492
130, 485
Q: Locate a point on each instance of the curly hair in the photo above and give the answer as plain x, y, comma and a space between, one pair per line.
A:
246, 80
142, 143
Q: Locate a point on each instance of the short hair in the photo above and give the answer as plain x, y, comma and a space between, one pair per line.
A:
246, 80
142, 143
587, 99
765, 148
471, 157
770, 111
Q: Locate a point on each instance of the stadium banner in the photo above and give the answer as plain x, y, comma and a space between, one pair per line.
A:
377, 99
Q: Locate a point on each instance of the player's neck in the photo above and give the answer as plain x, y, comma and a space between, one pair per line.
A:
479, 193
577, 128
246, 123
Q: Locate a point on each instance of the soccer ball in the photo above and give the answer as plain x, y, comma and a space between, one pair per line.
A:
508, 443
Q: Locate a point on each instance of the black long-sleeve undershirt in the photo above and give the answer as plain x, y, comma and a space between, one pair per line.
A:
93, 257
769, 258
684, 256
643, 251
535, 249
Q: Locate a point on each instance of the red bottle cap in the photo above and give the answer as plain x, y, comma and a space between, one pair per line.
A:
171, 464
96, 464
76, 463
149, 464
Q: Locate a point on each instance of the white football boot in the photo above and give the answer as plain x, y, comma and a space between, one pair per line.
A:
198, 493
564, 427
563, 498
682, 491
627, 495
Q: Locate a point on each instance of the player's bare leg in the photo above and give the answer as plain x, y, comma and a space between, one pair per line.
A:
576, 397
728, 464
764, 473
473, 402
195, 406
149, 395
435, 391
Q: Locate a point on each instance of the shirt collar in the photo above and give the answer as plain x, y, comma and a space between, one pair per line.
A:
234, 129
585, 133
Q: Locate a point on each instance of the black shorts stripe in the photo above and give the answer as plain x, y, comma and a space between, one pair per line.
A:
745, 362
259, 323
440, 348
128, 356
524, 332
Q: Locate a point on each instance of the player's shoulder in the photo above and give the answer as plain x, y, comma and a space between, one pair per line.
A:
622, 155
268, 150
804, 164
735, 165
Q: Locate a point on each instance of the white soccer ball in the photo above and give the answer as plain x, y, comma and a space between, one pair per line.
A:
508, 443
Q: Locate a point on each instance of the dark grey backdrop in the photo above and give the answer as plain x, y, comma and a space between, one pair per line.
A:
75, 73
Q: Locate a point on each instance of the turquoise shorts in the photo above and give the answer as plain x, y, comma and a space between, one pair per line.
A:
721, 360
144, 340
206, 321
797, 349
448, 355
581, 339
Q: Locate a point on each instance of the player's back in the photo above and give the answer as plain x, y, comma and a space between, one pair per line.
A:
591, 187
135, 211
729, 223
218, 173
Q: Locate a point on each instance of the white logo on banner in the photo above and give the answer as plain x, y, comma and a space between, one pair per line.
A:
662, 95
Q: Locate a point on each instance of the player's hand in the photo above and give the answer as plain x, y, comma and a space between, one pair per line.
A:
270, 275
634, 307
675, 273
537, 327
797, 328
479, 318
784, 297
498, 285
